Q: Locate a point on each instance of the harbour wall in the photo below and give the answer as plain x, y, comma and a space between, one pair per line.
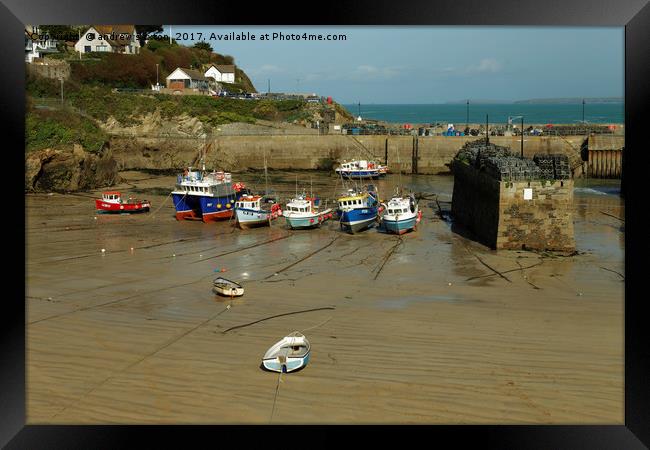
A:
423, 154
499, 216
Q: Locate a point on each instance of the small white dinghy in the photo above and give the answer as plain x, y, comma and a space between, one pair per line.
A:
291, 353
227, 288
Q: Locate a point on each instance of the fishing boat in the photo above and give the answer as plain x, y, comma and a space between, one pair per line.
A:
361, 169
401, 214
256, 211
304, 212
227, 288
206, 196
289, 354
358, 209
113, 203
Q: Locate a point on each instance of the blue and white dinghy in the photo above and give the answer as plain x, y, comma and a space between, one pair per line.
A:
289, 354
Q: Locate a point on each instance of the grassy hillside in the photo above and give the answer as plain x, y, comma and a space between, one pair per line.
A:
61, 129
139, 71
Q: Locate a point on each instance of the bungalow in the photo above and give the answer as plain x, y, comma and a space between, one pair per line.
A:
221, 73
109, 38
181, 79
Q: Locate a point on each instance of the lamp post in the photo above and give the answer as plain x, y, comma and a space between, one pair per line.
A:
61, 79
522, 137
157, 76
522, 133
583, 110
467, 118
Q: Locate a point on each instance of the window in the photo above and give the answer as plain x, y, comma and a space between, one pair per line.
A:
87, 49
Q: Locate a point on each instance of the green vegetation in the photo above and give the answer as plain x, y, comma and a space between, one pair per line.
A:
139, 71
100, 102
60, 129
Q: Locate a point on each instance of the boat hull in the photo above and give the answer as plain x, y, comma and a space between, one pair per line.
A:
124, 208
250, 218
399, 226
363, 174
358, 219
207, 209
228, 292
306, 222
290, 365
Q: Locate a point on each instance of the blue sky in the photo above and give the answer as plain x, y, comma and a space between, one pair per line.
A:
430, 64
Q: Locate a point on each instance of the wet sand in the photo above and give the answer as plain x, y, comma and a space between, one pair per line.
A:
422, 330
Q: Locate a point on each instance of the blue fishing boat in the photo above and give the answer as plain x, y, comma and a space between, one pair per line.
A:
357, 209
361, 169
200, 195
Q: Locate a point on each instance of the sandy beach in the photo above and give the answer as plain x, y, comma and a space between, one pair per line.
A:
419, 328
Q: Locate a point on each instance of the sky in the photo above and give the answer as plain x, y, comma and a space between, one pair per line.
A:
418, 64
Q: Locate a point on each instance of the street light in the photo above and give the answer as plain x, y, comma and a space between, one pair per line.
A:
467, 121
522, 133
61, 79
157, 75
583, 110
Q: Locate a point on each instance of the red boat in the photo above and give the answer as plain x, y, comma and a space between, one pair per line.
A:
112, 202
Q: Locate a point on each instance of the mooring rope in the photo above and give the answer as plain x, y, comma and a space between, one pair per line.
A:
161, 205
275, 397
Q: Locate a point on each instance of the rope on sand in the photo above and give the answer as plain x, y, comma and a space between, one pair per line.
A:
277, 315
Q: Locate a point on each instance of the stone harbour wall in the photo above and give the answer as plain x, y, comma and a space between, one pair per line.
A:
535, 215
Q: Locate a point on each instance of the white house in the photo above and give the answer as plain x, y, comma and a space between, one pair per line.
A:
37, 44
221, 73
182, 78
109, 38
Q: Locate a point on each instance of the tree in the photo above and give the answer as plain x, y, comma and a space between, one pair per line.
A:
203, 46
59, 32
145, 30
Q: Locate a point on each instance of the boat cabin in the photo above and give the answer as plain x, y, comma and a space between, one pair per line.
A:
249, 202
112, 197
302, 204
352, 202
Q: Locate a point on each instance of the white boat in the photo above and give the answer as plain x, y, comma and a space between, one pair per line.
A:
304, 212
256, 211
361, 169
401, 214
227, 288
289, 354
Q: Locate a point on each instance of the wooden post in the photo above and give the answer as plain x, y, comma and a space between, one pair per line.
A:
413, 155
417, 153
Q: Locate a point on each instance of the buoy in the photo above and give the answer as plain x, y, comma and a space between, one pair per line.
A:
174, 254
103, 250
223, 270
449, 284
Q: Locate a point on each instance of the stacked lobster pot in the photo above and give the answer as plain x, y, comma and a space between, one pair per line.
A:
512, 168
554, 166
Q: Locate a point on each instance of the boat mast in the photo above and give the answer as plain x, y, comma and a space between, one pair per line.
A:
266, 179
399, 179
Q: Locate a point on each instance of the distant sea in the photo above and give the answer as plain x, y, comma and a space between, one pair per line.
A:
565, 113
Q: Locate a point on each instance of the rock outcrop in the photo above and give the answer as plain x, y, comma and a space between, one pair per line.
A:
69, 170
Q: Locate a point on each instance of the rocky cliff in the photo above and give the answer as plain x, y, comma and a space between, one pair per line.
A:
69, 169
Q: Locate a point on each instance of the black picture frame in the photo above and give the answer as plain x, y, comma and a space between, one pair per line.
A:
634, 15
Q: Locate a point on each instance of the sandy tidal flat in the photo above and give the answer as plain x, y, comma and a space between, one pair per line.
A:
421, 331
